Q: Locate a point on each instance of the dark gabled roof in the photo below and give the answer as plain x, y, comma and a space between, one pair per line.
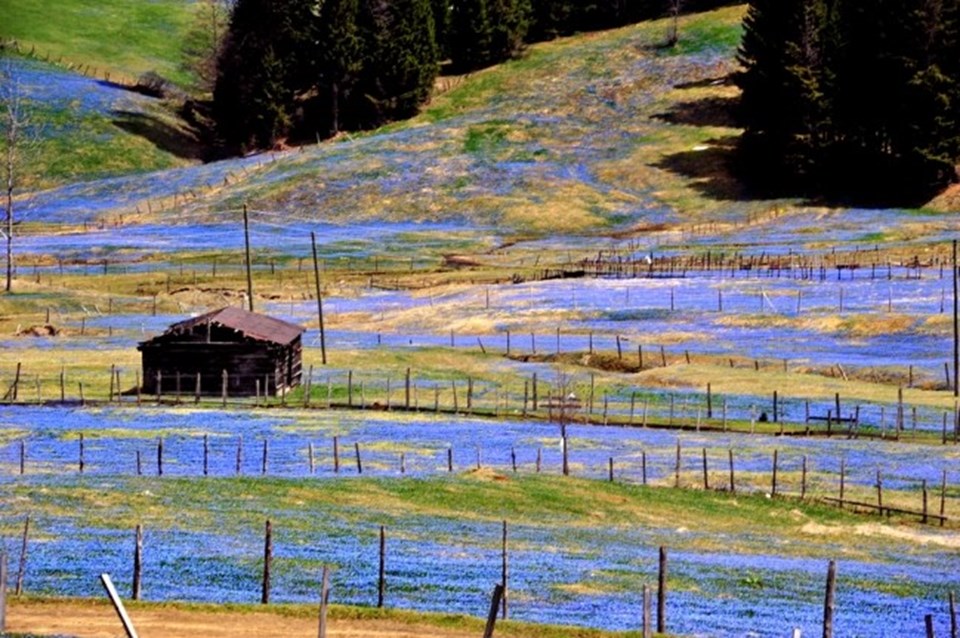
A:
250, 324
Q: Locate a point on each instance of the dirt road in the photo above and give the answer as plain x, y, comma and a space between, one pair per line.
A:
92, 619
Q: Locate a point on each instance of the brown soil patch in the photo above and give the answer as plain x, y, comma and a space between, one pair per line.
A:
89, 619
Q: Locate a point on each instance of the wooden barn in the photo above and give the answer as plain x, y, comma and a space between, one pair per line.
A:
258, 353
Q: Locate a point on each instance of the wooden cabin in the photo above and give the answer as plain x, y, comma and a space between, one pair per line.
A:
259, 354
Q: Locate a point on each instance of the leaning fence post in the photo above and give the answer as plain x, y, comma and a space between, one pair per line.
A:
494, 607
137, 563
953, 616
118, 606
22, 566
504, 572
828, 602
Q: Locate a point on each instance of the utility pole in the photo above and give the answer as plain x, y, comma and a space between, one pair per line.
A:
246, 240
956, 324
316, 272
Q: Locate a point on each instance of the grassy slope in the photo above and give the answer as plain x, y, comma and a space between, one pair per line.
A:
128, 38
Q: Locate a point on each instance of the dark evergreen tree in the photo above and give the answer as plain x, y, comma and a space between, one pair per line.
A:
552, 18
399, 59
471, 35
338, 58
510, 22
260, 70
441, 27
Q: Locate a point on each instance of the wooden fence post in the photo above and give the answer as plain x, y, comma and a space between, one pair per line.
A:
137, 563
943, 498
662, 592
953, 615
382, 580
928, 619
267, 563
733, 482
81, 463
22, 566
828, 603
3, 591
645, 632
494, 608
706, 475
773, 487
336, 456
239, 454
223, 387
23, 456
264, 459
160, 456
356, 447
504, 571
324, 601
879, 493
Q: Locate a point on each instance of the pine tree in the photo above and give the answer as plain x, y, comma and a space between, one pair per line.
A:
400, 59
510, 22
471, 35
260, 70
338, 55
441, 27
782, 98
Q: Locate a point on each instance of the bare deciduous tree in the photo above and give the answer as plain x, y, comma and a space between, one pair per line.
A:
14, 120
673, 32
201, 46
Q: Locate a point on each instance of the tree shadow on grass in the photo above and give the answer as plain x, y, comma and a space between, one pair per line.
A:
179, 142
724, 170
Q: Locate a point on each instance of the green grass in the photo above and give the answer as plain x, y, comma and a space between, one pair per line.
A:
126, 37
92, 147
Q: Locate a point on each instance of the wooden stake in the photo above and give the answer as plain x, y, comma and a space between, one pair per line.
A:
662, 592
22, 566
324, 601
773, 488
733, 482
356, 447
828, 603
239, 469
646, 612
267, 563
494, 608
137, 563
382, 580
3, 591
504, 572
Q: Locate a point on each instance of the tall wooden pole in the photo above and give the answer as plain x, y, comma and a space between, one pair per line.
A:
246, 241
316, 273
956, 324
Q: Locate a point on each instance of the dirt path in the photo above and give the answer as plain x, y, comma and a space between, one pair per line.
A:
83, 619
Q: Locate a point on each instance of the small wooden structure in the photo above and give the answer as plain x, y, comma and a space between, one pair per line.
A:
252, 352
